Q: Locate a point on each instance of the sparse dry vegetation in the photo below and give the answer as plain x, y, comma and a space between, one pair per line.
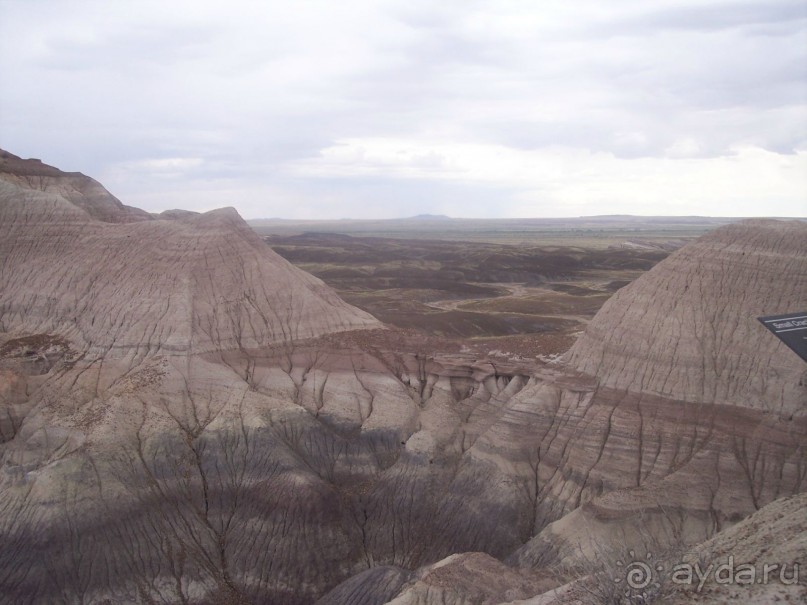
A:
476, 290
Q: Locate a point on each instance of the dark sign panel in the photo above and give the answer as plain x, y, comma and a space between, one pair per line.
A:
791, 330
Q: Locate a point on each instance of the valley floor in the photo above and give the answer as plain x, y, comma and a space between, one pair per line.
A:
528, 299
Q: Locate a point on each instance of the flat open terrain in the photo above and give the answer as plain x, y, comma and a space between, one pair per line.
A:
591, 232
532, 296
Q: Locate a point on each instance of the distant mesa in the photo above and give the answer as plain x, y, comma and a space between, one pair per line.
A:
347, 219
431, 217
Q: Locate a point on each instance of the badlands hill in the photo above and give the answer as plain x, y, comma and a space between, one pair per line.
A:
115, 280
78, 189
688, 328
186, 418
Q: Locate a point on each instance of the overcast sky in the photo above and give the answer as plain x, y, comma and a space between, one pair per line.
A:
376, 108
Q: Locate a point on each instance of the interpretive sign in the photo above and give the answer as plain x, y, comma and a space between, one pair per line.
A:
791, 329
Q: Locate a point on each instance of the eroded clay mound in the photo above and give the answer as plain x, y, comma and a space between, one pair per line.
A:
688, 328
155, 448
195, 283
79, 189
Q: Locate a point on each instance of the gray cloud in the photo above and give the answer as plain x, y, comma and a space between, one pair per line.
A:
710, 17
394, 108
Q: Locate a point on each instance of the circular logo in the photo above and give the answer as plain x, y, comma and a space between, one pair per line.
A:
639, 575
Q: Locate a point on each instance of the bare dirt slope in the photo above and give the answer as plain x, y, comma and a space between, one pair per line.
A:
211, 425
80, 190
631, 462
688, 329
196, 283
